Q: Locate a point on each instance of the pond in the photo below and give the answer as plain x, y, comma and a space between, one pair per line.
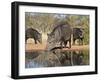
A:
38, 59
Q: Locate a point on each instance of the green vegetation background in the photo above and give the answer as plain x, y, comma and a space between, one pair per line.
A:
45, 22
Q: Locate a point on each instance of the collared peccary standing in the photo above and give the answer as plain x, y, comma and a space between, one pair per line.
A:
32, 33
78, 33
60, 35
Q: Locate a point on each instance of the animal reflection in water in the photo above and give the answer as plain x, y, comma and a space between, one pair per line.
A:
49, 59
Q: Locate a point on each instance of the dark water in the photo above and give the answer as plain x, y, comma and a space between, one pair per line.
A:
38, 59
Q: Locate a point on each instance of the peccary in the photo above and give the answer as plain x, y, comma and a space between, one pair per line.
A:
32, 33
78, 34
60, 35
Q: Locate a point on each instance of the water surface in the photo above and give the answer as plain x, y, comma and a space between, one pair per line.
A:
37, 59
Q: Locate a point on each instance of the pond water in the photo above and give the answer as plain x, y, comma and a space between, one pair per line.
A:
39, 59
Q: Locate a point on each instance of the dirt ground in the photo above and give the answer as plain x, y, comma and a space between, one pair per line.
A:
32, 47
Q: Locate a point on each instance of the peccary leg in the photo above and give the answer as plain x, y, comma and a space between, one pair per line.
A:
26, 40
73, 41
70, 43
81, 41
35, 41
61, 44
65, 43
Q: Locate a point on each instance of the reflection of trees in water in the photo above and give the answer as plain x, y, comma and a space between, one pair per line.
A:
60, 58
77, 58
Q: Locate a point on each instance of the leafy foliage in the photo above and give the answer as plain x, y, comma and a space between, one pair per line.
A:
45, 22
